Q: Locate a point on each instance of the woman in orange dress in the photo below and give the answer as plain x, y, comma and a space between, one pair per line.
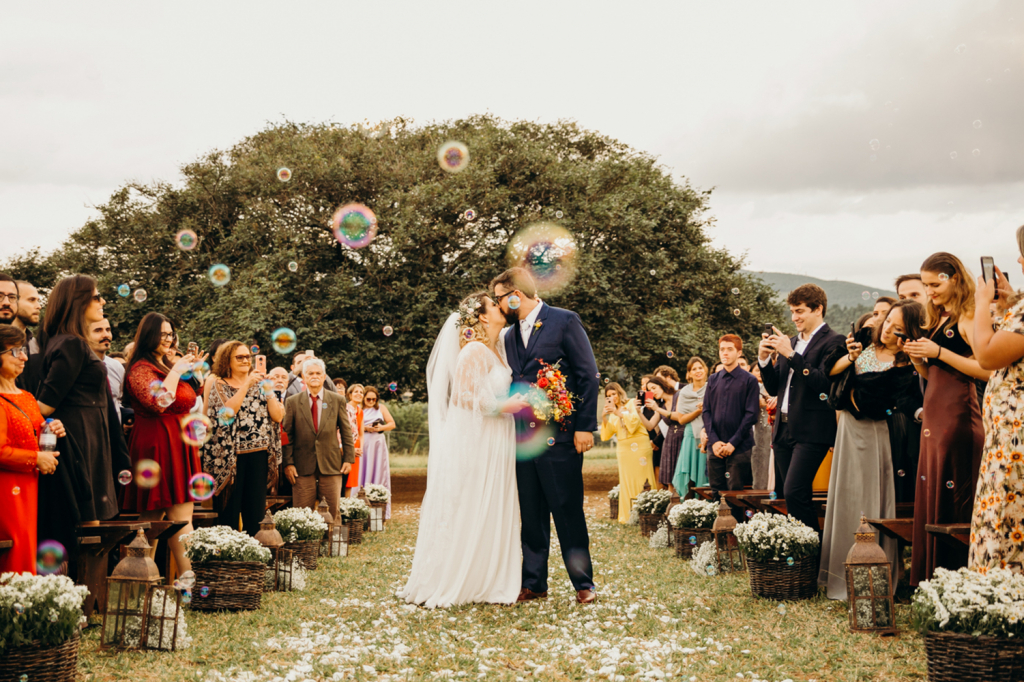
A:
355, 417
21, 462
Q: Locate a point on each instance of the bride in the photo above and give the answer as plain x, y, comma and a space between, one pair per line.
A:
468, 548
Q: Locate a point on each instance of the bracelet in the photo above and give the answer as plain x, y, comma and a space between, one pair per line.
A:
853, 360
939, 354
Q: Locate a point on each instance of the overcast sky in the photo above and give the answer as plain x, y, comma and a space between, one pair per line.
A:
775, 105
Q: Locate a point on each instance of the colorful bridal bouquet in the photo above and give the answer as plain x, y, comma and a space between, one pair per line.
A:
551, 382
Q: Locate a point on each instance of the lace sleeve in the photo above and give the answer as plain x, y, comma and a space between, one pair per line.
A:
471, 389
139, 379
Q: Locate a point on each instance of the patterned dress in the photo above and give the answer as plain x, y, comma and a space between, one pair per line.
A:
997, 525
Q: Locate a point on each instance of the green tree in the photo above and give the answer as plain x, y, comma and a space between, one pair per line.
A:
648, 280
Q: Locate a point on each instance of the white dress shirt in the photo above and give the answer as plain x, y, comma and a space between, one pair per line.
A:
526, 326
800, 347
115, 378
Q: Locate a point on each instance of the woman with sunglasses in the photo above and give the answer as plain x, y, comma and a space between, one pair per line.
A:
376, 466
74, 390
246, 436
21, 462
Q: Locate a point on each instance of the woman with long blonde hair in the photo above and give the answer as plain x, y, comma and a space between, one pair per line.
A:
952, 434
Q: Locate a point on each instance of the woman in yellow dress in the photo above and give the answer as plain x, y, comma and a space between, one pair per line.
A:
621, 418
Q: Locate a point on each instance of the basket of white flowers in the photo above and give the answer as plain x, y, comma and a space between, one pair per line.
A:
691, 525
378, 497
973, 625
302, 530
353, 511
40, 620
782, 556
613, 503
229, 567
651, 506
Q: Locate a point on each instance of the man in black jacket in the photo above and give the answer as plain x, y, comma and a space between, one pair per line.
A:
793, 370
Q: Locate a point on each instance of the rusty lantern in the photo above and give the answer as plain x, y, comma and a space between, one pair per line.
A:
869, 586
727, 547
140, 612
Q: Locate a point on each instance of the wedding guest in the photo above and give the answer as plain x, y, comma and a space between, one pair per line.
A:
21, 461
341, 385
730, 412
8, 299
245, 440
862, 478
882, 306
29, 307
952, 434
910, 286
865, 320
375, 466
279, 378
651, 416
691, 465
74, 389
160, 399
996, 537
621, 418
355, 416
670, 375
99, 341
314, 463
761, 455
793, 371
295, 384
718, 368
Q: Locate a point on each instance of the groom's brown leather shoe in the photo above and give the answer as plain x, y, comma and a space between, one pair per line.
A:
586, 597
527, 594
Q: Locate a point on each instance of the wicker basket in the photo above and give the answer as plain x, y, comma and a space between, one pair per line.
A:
41, 662
650, 522
681, 540
778, 580
234, 585
355, 531
306, 551
613, 508
955, 657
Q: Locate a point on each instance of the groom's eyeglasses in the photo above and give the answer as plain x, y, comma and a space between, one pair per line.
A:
507, 293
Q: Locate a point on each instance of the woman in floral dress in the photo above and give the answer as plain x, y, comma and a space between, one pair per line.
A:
997, 525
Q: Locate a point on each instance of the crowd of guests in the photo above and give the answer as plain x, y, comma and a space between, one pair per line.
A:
143, 430
918, 404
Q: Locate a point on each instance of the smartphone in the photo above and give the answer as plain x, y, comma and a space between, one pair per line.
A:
853, 327
988, 270
901, 335
648, 395
261, 364
769, 328
309, 354
193, 348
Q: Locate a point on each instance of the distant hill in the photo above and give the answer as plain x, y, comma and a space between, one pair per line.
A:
840, 293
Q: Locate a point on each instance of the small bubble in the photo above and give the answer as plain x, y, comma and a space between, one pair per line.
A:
927, 433
453, 156
513, 302
634, 447
653, 273
147, 473
874, 294
225, 416
781, 609
469, 215
976, 152
737, 312
19, 609
960, 49
293, 266
789, 560
728, 475
922, 477
750, 514
949, 484
283, 340
140, 295
949, 333
559, 214
670, 354
875, 145
388, 330
186, 597
772, 495
943, 277
284, 174
393, 386
735, 291
124, 290
952, 155
186, 240
606, 380
551, 441
693, 539
533, 425
822, 396
219, 274
901, 473
865, 295
977, 124
165, 399
254, 349
204, 591
125, 477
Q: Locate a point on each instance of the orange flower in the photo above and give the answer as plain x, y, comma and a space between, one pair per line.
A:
983, 569
983, 504
1010, 497
1016, 455
1017, 535
1016, 423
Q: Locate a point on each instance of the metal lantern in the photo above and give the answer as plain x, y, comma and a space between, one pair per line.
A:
268, 535
869, 584
128, 587
163, 603
727, 547
325, 511
337, 543
283, 562
376, 517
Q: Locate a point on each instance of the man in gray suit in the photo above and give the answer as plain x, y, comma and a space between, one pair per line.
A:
295, 384
313, 459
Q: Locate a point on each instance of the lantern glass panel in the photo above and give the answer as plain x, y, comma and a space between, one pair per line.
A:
861, 581
162, 610
376, 519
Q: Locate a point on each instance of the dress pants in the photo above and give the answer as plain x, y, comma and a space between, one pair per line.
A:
248, 495
551, 486
309, 490
796, 465
730, 473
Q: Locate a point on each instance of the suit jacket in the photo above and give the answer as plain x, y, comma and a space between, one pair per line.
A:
560, 337
307, 449
811, 420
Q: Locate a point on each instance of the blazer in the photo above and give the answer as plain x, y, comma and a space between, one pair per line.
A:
307, 450
810, 419
559, 337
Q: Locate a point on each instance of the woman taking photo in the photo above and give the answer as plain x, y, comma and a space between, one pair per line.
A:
246, 437
355, 417
21, 461
160, 398
621, 419
883, 381
692, 465
377, 420
74, 390
996, 537
653, 414
952, 434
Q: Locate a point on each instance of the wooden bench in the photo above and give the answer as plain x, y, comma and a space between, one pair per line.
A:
95, 544
276, 503
955, 534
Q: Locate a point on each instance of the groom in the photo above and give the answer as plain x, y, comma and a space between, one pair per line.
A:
551, 485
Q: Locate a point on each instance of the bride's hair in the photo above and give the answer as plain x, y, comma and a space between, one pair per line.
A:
471, 327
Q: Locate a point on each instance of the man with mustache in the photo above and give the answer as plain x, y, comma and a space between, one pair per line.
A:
100, 338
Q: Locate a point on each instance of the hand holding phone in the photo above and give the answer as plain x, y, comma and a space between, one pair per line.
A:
261, 364
988, 271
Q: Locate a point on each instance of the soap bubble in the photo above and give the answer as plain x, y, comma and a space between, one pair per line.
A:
865, 295
670, 354
943, 277
789, 560
156, 387
186, 597
186, 240
693, 539
254, 349
200, 371
125, 477
643, 462
653, 273
293, 266
559, 214
393, 386
354, 225
165, 399
749, 514
960, 49
901, 473
952, 155
547, 251
453, 156
283, 340
16, 490
875, 145
219, 274
284, 174
140, 295
532, 433
781, 609
514, 302
204, 591
19, 609
976, 152
551, 441
469, 215
49, 557
874, 294
735, 291
737, 312
634, 447
949, 484
201, 487
196, 429
388, 330
772, 495
147, 473
225, 416
728, 475
124, 290
187, 580
977, 124
822, 396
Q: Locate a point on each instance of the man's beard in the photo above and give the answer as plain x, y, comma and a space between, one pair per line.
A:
511, 317
7, 316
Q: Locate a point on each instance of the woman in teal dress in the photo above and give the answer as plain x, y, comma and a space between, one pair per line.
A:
692, 465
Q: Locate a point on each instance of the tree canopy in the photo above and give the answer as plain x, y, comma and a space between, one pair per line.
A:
648, 281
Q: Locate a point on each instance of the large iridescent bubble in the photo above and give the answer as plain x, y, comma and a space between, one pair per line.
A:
548, 251
354, 225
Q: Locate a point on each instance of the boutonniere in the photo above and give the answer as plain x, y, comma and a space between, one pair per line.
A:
538, 324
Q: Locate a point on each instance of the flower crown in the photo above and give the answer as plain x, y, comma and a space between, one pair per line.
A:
468, 318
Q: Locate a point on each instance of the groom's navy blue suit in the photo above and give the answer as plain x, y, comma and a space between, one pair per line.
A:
551, 485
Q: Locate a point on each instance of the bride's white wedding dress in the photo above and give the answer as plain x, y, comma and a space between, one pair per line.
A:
468, 548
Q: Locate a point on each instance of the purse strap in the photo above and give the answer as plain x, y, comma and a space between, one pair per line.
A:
22, 412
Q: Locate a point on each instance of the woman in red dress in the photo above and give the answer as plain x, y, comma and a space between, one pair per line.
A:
160, 400
20, 459
355, 417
